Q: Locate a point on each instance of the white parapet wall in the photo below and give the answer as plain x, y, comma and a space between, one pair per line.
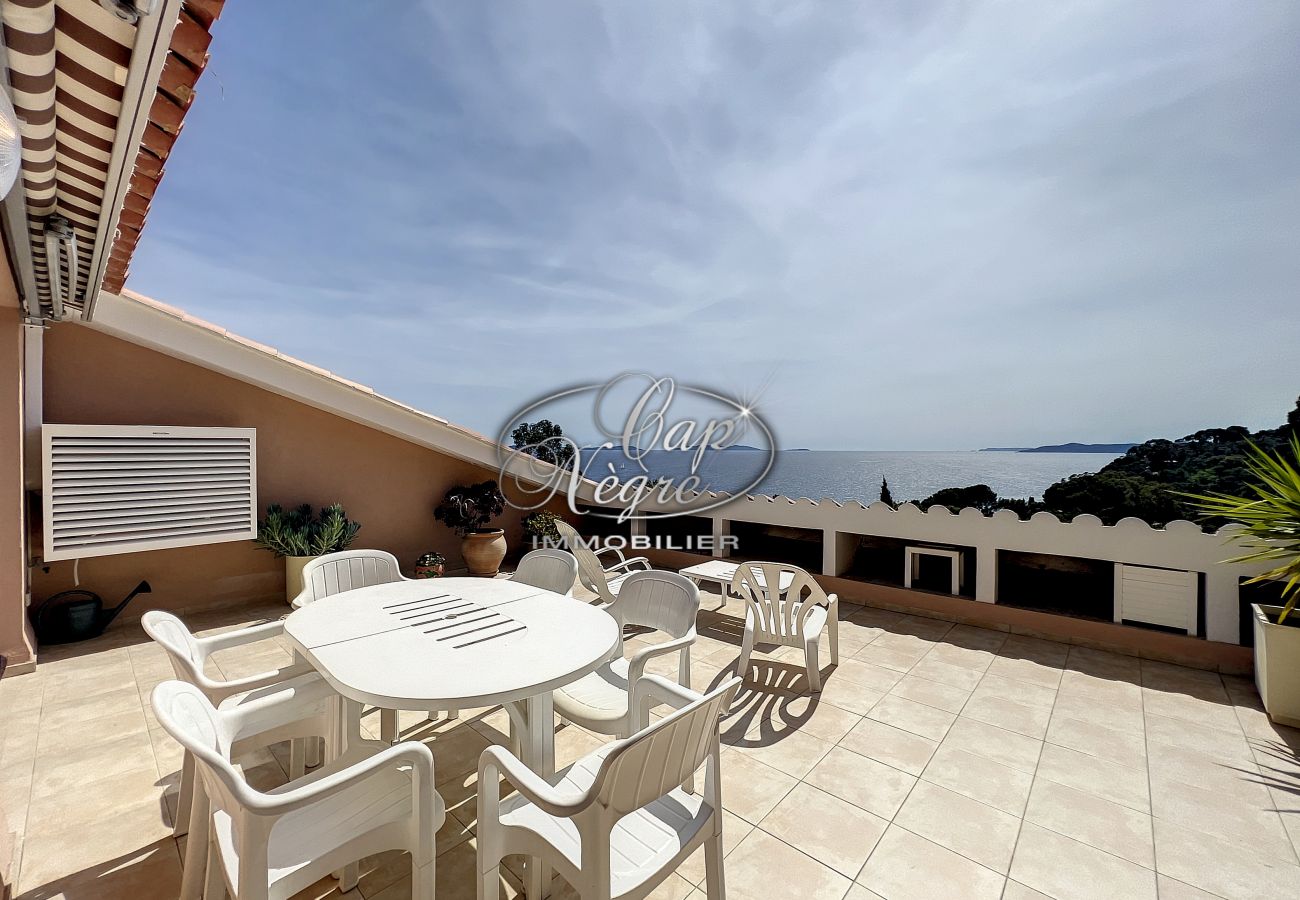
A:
1179, 545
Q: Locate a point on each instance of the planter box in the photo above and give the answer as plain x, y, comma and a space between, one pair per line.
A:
1277, 664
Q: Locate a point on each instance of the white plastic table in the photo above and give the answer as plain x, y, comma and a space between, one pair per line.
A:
456, 643
721, 573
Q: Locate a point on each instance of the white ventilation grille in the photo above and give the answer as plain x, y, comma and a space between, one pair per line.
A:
122, 489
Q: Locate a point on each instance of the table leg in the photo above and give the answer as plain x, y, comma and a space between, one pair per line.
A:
538, 745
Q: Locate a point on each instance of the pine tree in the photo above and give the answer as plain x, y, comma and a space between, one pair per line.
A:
885, 495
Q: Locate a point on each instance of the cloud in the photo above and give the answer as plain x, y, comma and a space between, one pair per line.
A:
933, 225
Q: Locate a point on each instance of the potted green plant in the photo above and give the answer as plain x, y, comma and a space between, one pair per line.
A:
467, 510
1271, 536
301, 536
540, 527
431, 565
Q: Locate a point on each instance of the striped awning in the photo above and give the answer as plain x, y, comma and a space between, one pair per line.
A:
68, 64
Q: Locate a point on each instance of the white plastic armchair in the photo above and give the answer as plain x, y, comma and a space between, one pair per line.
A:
785, 606
346, 570
615, 823
270, 845
605, 579
609, 700
548, 569
189, 655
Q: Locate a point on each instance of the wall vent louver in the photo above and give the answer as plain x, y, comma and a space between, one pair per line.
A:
112, 489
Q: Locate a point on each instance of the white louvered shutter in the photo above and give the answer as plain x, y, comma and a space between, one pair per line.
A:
121, 489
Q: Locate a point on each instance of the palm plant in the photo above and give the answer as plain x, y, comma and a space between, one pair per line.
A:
1271, 518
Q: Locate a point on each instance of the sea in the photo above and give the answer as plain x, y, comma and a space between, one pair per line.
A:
856, 474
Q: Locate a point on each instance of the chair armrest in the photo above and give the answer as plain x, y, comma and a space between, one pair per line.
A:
537, 790
617, 552
281, 704
657, 687
624, 564
241, 636
418, 756
636, 665
218, 690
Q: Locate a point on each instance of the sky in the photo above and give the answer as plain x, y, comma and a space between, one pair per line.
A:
885, 225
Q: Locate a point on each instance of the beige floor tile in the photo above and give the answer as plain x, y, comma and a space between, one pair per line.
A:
1170, 889
1228, 746
792, 753
911, 716
67, 769
1220, 867
856, 892
878, 678
1006, 747
49, 856
1123, 715
931, 693
1128, 748
835, 831
889, 745
854, 698
761, 862
1257, 828
96, 731
980, 779
1239, 780
750, 789
1026, 670
900, 659
151, 873
973, 829
134, 796
1098, 687
1099, 777
1062, 867
1108, 826
1023, 692
1104, 664
866, 783
1222, 715
85, 713
905, 866
979, 660
1030, 721
947, 673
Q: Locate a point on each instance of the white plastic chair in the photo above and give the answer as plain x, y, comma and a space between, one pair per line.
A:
548, 569
604, 580
609, 700
346, 570
189, 656
271, 845
785, 606
618, 822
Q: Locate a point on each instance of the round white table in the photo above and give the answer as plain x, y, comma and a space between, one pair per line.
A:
456, 643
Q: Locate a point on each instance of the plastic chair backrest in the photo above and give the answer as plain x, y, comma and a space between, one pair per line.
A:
590, 570
191, 719
652, 762
346, 570
548, 569
173, 636
779, 609
664, 601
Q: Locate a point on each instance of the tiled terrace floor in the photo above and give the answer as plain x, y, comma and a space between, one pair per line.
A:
939, 762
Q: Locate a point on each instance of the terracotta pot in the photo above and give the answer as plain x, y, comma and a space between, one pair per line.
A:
484, 551
293, 566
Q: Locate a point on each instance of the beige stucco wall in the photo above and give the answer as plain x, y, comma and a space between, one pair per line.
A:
15, 635
304, 455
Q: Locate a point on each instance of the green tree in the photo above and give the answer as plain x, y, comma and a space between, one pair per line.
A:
980, 496
544, 440
885, 495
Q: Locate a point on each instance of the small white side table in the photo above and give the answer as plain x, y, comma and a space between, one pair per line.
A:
913, 558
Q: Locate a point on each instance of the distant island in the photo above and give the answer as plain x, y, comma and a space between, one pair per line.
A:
1063, 448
